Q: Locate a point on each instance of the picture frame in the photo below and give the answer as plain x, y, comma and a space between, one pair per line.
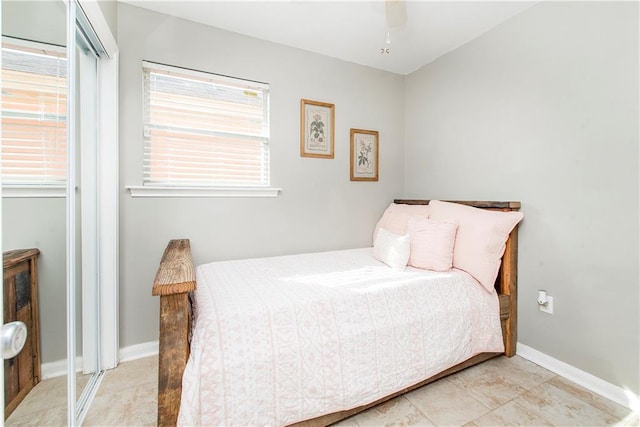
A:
364, 155
317, 129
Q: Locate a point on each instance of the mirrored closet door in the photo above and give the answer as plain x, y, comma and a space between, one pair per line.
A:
34, 168
82, 204
56, 203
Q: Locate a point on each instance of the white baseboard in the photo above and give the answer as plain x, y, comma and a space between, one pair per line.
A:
624, 397
58, 368
139, 351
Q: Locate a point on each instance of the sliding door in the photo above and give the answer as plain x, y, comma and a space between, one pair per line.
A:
59, 199
84, 287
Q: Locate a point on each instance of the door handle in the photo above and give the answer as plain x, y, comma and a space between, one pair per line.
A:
13, 336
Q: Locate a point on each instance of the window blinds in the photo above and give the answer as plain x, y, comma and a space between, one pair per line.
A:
34, 108
202, 129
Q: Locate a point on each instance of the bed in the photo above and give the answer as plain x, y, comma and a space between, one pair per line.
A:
330, 401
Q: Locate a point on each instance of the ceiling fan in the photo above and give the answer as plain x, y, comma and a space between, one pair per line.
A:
396, 14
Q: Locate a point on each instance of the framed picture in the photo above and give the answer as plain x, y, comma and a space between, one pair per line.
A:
316, 129
364, 155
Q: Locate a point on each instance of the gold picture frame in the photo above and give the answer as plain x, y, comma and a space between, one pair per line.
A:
364, 155
316, 129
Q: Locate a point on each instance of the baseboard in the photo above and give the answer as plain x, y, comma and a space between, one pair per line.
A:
597, 385
138, 351
58, 368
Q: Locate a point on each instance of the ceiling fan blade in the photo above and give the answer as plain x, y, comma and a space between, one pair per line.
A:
396, 13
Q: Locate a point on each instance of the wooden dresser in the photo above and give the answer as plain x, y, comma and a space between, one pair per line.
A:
22, 372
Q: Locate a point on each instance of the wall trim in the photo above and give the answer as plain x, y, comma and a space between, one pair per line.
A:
34, 191
623, 397
158, 191
58, 368
138, 351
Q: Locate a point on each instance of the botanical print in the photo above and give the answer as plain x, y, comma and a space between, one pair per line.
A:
365, 155
316, 129
316, 134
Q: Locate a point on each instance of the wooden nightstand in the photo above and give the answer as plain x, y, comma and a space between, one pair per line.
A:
22, 372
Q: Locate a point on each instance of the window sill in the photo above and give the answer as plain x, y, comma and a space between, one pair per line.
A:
34, 191
203, 192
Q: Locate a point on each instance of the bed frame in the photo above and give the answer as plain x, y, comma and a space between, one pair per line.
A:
175, 279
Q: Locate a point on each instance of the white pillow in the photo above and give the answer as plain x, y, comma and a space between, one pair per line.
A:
392, 249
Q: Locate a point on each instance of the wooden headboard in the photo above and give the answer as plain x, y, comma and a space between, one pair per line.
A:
507, 281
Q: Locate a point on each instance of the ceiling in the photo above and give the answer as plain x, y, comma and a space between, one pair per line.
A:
353, 31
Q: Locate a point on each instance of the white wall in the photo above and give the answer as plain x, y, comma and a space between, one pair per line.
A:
544, 109
319, 208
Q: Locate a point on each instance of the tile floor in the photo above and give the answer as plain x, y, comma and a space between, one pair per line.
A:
500, 392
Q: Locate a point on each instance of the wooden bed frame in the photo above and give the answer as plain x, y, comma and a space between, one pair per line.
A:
175, 280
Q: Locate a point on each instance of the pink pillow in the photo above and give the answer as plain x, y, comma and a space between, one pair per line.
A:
431, 243
395, 217
480, 240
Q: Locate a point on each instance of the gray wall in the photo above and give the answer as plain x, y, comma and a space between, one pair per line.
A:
40, 223
544, 109
319, 208
109, 10
42, 21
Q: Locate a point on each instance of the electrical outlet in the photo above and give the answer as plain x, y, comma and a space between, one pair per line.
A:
548, 307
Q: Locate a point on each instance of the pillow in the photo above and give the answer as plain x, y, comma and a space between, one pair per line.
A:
431, 243
395, 217
392, 249
480, 240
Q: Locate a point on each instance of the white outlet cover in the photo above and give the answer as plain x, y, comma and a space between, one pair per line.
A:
548, 308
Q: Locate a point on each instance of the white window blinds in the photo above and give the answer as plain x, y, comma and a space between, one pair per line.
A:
34, 108
202, 129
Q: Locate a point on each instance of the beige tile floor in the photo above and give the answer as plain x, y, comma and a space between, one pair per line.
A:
500, 392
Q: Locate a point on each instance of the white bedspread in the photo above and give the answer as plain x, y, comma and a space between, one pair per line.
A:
284, 339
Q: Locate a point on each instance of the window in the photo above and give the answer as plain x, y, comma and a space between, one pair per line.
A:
204, 130
34, 108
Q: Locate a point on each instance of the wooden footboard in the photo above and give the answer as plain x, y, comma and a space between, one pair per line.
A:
175, 280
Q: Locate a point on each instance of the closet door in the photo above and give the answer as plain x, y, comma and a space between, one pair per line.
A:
92, 207
84, 286
87, 283
59, 203
33, 132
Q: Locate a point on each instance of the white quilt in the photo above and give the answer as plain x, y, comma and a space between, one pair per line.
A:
284, 339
